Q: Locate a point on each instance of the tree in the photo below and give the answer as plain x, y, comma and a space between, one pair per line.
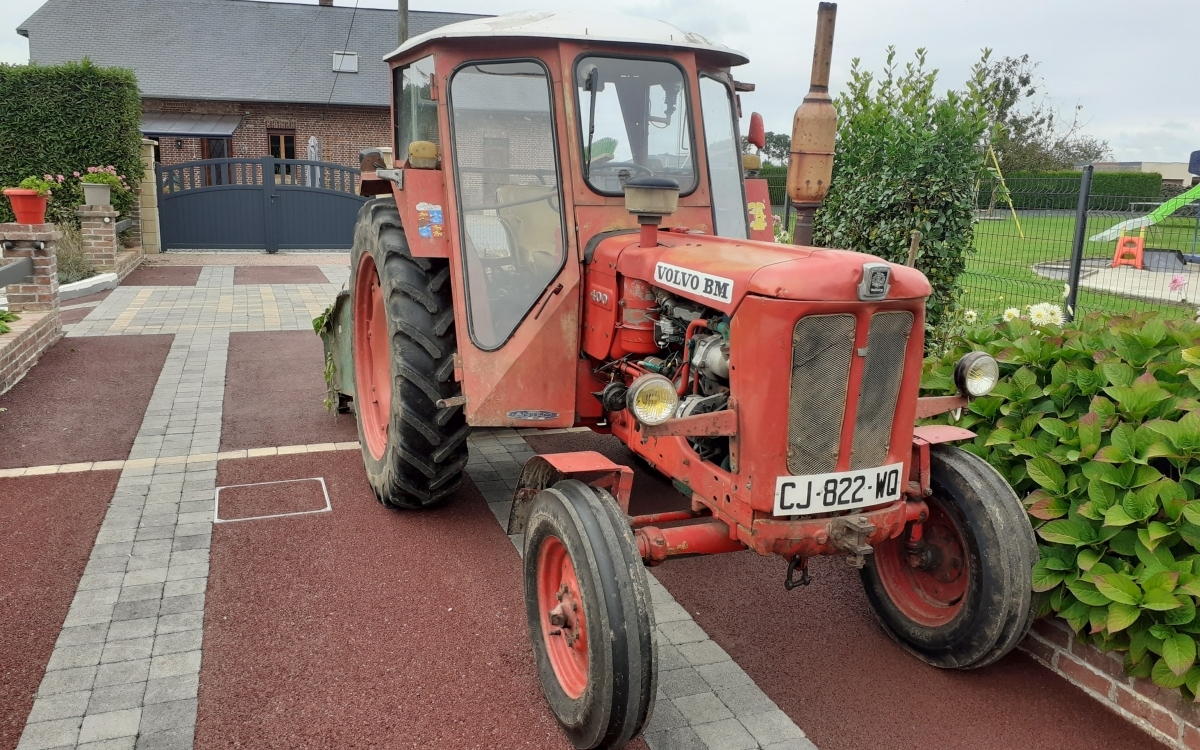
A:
776, 149
907, 158
1025, 130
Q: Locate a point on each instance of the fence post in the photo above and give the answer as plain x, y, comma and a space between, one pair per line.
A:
268, 176
1081, 213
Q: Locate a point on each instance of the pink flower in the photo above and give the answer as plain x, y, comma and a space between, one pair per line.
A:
75, 173
1178, 282
48, 176
61, 178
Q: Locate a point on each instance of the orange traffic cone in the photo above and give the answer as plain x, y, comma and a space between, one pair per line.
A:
1129, 252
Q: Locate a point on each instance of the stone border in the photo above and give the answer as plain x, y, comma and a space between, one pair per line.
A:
35, 300
134, 463
1161, 713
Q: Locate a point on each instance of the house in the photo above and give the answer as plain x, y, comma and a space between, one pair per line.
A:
240, 78
1173, 172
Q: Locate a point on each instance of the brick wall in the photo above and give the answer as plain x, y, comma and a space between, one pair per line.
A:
36, 301
342, 130
1160, 712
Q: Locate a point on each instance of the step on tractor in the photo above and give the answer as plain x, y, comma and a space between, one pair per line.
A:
563, 238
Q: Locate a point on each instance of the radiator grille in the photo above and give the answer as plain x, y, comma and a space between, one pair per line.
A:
887, 340
822, 347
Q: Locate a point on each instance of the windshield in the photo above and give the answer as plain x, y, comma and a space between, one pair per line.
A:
724, 159
634, 121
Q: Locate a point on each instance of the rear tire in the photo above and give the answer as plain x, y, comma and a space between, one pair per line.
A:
599, 668
414, 452
975, 604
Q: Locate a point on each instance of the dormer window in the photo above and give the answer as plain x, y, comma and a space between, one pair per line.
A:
345, 62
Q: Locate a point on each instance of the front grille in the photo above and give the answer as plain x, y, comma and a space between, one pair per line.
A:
822, 347
887, 341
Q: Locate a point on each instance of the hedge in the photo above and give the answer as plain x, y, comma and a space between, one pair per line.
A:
1097, 426
63, 119
1111, 191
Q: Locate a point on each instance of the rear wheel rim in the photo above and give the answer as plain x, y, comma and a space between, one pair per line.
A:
930, 596
561, 611
372, 357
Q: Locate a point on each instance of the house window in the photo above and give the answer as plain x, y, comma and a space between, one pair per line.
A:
215, 148
282, 144
345, 62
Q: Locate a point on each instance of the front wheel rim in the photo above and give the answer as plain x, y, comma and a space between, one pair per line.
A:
930, 595
562, 617
372, 358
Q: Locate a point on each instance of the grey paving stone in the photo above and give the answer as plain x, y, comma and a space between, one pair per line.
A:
102, 565
704, 652
176, 604
172, 715
67, 681
118, 549
804, 744
141, 593
178, 687
135, 610
676, 683
148, 575
683, 738
119, 743
117, 697
771, 726
70, 657
150, 561
139, 628
60, 706
171, 643
745, 699
122, 672
681, 631
180, 739
169, 665
113, 535
101, 580
726, 735
94, 633
110, 725
180, 572
702, 708
665, 717
190, 557
185, 587
50, 734
127, 650
155, 532
724, 674
182, 621
668, 612
88, 615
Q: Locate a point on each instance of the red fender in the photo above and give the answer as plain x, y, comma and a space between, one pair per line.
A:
546, 469
924, 436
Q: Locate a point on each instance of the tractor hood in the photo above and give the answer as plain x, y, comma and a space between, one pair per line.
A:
719, 272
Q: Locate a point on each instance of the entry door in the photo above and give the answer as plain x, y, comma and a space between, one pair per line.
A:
518, 309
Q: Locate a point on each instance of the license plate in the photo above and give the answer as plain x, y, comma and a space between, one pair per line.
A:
838, 490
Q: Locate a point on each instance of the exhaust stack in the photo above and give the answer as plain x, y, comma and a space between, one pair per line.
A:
814, 131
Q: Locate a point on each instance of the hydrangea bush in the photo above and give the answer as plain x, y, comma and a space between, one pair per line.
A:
1096, 424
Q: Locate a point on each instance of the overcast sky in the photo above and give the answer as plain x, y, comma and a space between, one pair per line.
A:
1129, 64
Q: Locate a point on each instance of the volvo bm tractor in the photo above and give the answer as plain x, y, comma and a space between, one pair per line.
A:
563, 239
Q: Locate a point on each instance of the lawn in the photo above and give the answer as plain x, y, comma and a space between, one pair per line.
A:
1000, 275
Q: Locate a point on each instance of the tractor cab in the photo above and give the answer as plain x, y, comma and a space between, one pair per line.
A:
516, 137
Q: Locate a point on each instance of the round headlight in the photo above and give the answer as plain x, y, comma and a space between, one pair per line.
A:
976, 374
652, 399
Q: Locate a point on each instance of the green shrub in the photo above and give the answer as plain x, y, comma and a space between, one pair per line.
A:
907, 158
1097, 425
43, 187
776, 177
5, 318
1111, 191
58, 120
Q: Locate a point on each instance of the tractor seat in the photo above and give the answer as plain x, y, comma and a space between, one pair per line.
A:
535, 227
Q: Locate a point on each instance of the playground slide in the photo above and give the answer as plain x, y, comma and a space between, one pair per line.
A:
1150, 219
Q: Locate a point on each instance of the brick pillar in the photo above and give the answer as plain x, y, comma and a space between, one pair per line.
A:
40, 242
98, 225
148, 201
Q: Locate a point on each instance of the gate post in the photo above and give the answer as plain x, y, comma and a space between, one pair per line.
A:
148, 200
1081, 214
269, 232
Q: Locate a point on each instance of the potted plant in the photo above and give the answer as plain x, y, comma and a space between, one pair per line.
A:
29, 199
98, 185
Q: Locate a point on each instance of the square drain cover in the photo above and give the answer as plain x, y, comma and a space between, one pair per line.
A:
290, 497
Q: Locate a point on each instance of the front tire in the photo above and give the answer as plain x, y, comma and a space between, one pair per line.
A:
590, 619
970, 601
403, 335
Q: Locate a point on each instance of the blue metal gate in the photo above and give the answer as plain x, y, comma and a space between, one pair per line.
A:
257, 204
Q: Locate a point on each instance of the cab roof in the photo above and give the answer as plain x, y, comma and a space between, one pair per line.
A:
593, 27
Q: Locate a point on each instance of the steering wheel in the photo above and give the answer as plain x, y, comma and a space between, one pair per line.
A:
617, 165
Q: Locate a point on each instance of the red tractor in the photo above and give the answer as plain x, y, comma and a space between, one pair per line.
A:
562, 241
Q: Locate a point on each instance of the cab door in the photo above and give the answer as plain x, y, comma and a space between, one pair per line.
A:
515, 277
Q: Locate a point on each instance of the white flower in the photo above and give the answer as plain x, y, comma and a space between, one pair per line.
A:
1013, 313
970, 316
1066, 290
1045, 314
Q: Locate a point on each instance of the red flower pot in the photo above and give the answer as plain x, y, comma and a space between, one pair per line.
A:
29, 207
